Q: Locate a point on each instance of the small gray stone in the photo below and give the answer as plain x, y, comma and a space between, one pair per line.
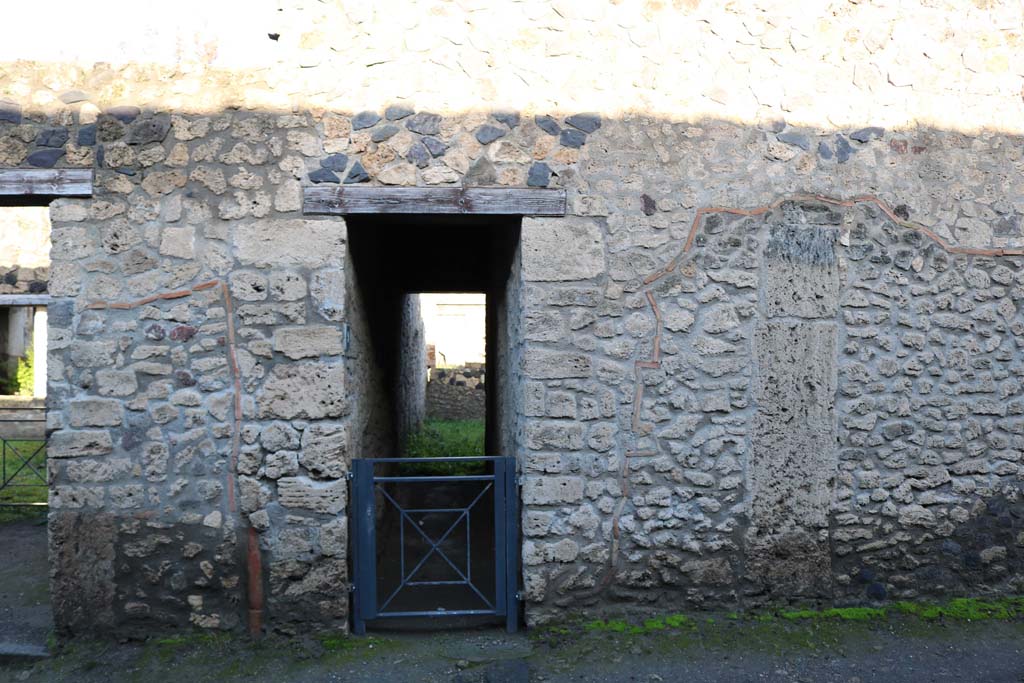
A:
539, 175
52, 137
487, 134
418, 155
776, 126
365, 119
572, 138
547, 124
509, 118
383, 133
397, 112
481, 173
588, 122
435, 147
796, 139
357, 174
324, 175
335, 162
866, 134
73, 96
424, 123
45, 158
824, 150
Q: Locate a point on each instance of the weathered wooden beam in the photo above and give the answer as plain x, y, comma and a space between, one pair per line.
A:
50, 182
321, 200
25, 299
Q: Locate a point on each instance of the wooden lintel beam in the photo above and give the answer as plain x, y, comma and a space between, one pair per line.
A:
334, 200
25, 299
49, 182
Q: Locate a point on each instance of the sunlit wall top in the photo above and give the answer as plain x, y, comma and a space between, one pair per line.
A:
956, 64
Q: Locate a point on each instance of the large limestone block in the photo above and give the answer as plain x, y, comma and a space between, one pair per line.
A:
303, 390
82, 566
548, 490
308, 341
794, 459
308, 494
547, 364
562, 249
290, 243
325, 450
801, 272
96, 412
68, 444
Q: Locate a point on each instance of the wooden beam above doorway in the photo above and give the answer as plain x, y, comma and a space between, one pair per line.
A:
49, 182
339, 201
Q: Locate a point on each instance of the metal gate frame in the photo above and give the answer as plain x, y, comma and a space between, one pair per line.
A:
364, 547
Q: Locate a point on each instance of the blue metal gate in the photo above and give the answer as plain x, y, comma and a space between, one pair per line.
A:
446, 559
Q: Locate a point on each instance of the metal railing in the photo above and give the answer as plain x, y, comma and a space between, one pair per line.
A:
23, 473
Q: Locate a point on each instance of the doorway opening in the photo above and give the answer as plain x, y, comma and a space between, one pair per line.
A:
433, 316
25, 614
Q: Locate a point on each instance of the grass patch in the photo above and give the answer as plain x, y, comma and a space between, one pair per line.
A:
840, 613
25, 486
783, 629
446, 438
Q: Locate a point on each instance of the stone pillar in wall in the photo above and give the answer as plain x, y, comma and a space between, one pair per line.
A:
794, 455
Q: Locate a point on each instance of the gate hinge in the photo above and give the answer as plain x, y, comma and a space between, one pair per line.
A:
351, 588
350, 475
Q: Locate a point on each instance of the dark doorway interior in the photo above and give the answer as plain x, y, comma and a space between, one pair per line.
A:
391, 260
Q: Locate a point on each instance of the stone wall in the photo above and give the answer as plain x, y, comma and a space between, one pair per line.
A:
716, 397
456, 394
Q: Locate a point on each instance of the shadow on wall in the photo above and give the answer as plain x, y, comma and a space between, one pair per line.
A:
801, 401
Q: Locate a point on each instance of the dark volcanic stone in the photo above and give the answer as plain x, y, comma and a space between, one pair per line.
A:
155, 332
124, 113
182, 333
509, 118
539, 175
87, 135
37, 287
365, 119
418, 155
52, 137
45, 158
572, 138
547, 124
323, 175
11, 277
149, 130
357, 174
383, 133
435, 147
183, 378
824, 150
843, 149
335, 162
10, 113
865, 134
397, 111
876, 591
587, 122
424, 123
487, 134
796, 139
648, 205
